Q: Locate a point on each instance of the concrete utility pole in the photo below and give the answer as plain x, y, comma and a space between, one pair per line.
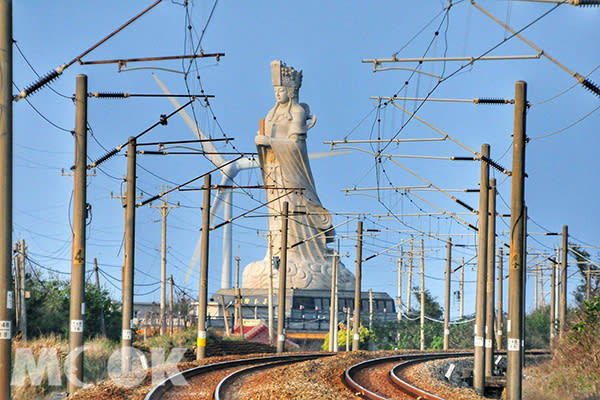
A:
332, 310
20, 288
335, 307
480, 304
356, 327
203, 295
238, 316
399, 300
564, 278
462, 288
129, 256
348, 311
422, 296
447, 299
171, 305
164, 212
77, 303
535, 288
102, 322
270, 288
410, 269
17, 261
282, 279
370, 309
524, 297
335, 320
517, 261
553, 304
6, 173
500, 314
491, 281
557, 292
225, 316
542, 302
588, 289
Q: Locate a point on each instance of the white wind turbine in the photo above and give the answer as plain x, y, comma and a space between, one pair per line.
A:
224, 197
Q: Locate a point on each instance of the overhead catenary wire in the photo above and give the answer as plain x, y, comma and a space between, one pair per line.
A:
162, 121
572, 124
585, 82
55, 73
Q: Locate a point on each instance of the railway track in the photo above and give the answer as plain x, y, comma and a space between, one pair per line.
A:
358, 376
235, 368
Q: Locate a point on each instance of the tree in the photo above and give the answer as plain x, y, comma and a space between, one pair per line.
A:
585, 266
365, 336
48, 309
406, 334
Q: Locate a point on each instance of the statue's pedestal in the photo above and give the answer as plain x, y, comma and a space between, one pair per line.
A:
306, 310
301, 274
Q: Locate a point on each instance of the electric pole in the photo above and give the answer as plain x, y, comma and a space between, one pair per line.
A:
20, 288
97, 276
447, 299
17, 251
77, 303
462, 288
348, 310
164, 208
203, 294
335, 307
588, 289
129, 256
370, 309
332, 310
500, 315
171, 305
480, 304
399, 301
238, 315
517, 252
355, 330
542, 301
491, 281
6, 186
535, 288
410, 269
422, 296
553, 304
524, 295
564, 278
270, 288
282, 280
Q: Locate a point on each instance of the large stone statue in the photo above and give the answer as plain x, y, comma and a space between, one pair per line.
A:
285, 165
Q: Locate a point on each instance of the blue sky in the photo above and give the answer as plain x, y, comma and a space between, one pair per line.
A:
327, 40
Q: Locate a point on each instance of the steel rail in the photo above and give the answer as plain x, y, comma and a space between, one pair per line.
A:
405, 361
410, 389
219, 392
158, 391
414, 358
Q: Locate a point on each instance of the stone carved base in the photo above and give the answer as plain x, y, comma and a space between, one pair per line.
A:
300, 275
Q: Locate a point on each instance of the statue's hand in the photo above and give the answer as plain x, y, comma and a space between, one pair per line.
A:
313, 121
261, 140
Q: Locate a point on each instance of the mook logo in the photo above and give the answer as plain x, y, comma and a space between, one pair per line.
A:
126, 367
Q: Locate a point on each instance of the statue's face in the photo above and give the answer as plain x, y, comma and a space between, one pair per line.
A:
281, 94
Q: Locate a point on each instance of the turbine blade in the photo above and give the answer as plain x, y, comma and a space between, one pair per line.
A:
217, 204
193, 262
247, 163
327, 154
207, 146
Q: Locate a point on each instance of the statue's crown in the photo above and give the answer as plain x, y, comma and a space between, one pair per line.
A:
282, 75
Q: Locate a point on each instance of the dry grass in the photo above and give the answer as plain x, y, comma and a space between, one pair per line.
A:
574, 370
97, 352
